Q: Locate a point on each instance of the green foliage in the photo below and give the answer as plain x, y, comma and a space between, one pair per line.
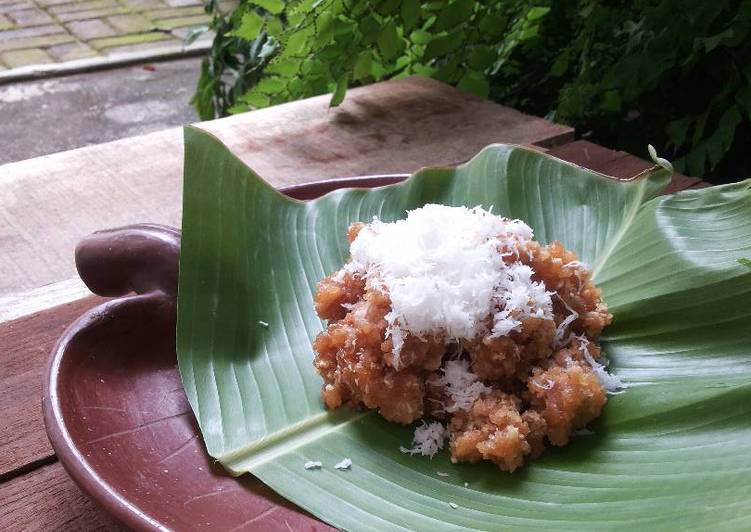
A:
676, 73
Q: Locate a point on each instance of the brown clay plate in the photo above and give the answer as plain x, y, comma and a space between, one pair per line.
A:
114, 406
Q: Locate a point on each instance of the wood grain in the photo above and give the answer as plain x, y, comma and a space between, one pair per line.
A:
49, 203
615, 163
48, 500
27, 343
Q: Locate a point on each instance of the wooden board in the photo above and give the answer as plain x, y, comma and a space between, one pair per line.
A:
27, 343
616, 163
48, 204
48, 500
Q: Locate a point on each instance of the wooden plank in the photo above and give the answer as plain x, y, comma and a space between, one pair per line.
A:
615, 163
27, 343
48, 500
48, 204
21, 304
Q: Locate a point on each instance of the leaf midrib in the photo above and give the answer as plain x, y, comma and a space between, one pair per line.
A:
289, 438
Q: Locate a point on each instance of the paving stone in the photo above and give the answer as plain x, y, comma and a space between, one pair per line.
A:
140, 5
175, 12
5, 23
30, 17
90, 29
29, 32
47, 3
131, 23
31, 56
184, 22
145, 46
180, 3
35, 42
82, 6
110, 42
71, 51
17, 5
92, 13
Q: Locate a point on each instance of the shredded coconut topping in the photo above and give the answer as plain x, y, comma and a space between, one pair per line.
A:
310, 464
461, 385
428, 439
444, 271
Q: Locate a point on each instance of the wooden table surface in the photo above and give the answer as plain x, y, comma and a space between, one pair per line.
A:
49, 203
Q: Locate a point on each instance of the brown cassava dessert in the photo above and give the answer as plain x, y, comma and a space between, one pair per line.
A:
459, 317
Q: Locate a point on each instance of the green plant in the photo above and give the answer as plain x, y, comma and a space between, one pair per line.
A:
676, 73
670, 452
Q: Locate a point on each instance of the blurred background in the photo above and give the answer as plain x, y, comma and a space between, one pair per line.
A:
676, 74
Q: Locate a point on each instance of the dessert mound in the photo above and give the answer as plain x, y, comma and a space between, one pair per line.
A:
459, 317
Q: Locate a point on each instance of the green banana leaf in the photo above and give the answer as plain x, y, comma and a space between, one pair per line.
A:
673, 451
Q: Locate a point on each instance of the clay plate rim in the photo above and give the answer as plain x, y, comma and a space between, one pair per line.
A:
55, 423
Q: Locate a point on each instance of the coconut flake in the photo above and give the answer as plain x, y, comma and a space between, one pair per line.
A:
444, 271
429, 438
344, 464
441, 474
311, 464
519, 297
560, 331
461, 385
611, 383
453, 505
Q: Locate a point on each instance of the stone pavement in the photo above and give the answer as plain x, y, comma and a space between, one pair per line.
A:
55, 114
34, 32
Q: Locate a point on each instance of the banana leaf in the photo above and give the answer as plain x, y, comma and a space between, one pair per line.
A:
673, 451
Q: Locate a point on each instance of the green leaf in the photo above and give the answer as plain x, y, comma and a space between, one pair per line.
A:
411, 12
284, 67
475, 83
255, 99
745, 262
370, 29
481, 57
250, 26
670, 452
341, 90
325, 28
387, 7
493, 25
274, 27
442, 45
270, 85
457, 12
536, 13
421, 37
389, 42
272, 6
363, 65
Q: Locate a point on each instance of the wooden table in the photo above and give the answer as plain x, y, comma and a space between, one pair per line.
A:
49, 203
